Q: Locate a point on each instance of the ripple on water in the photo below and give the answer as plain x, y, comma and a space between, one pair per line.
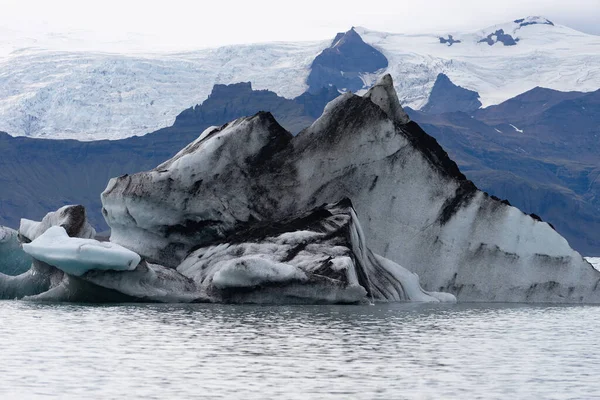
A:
419, 351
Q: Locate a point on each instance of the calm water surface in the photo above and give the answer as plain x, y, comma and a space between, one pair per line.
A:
412, 351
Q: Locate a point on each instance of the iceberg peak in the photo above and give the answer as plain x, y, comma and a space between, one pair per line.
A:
384, 95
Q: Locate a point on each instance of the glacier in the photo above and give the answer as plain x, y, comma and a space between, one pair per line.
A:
416, 207
59, 90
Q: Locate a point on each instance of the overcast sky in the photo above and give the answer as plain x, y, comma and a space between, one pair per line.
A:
218, 22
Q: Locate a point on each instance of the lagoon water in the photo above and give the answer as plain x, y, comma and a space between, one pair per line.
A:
396, 351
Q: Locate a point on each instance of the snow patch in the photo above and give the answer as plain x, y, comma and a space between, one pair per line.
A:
595, 261
516, 129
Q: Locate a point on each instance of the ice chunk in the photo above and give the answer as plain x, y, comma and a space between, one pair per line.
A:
253, 271
72, 218
77, 256
13, 260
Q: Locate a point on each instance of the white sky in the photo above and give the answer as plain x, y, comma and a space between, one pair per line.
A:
199, 23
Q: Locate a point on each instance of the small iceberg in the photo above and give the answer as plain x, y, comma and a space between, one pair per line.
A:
76, 256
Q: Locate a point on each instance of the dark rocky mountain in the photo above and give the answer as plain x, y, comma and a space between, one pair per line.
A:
533, 21
342, 64
450, 40
499, 36
448, 97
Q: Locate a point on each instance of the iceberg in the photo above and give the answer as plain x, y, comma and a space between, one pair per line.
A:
76, 256
13, 260
320, 256
416, 207
73, 218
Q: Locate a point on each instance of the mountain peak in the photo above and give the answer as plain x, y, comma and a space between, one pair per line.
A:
448, 97
344, 62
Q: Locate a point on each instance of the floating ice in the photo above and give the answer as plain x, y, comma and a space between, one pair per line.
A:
72, 218
416, 207
77, 256
317, 257
13, 260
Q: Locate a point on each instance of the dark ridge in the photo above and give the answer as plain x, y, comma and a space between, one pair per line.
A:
522, 24
294, 252
463, 195
373, 183
450, 41
433, 151
536, 217
502, 37
337, 37
503, 201
326, 270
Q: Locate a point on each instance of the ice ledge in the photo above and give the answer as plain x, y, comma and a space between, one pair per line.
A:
76, 256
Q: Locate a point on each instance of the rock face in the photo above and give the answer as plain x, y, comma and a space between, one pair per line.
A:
343, 63
417, 207
499, 36
448, 97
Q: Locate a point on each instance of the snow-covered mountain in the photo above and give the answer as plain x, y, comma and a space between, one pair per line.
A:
56, 87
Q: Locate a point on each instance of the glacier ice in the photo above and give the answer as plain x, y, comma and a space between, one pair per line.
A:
76, 256
320, 256
72, 218
317, 257
13, 260
416, 207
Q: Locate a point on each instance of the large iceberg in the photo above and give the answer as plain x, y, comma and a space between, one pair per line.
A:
416, 207
319, 256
